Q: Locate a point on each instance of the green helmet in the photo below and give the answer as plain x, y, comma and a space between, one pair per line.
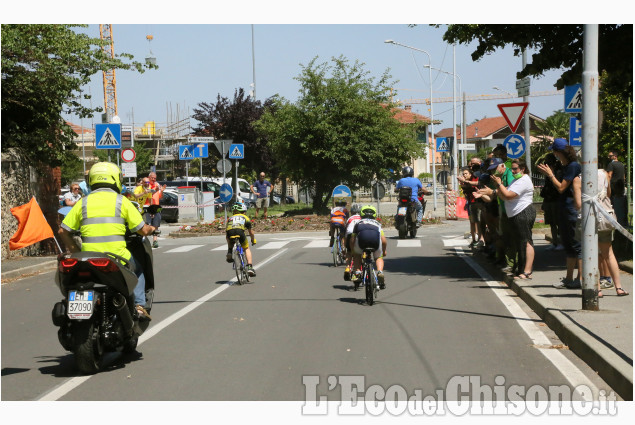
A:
105, 174
239, 207
368, 211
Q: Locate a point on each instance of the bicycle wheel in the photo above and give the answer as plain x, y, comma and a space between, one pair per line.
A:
368, 283
335, 247
244, 267
237, 267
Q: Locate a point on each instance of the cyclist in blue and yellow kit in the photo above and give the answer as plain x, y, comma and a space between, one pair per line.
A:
236, 226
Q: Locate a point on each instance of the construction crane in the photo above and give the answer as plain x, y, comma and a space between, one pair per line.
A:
110, 84
426, 101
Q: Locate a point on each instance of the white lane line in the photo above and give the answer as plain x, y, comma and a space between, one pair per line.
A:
455, 242
184, 248
408, 243
220, 248
63, 389
318, 244
273, 245
570, 371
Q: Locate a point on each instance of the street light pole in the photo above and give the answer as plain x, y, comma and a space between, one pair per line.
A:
432, 139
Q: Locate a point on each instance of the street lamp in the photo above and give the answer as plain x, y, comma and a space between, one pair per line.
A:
434, 155
504, 91
454, 151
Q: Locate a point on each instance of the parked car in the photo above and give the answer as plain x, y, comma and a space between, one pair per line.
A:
170, 198
275, 196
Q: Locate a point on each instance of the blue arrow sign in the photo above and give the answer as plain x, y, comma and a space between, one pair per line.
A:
573, 98
515, 146
442, 144
108, 136
236, 151
575, 132
226, 193
342, 191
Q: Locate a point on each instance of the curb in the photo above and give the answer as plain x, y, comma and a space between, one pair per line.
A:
612, 368
42, 267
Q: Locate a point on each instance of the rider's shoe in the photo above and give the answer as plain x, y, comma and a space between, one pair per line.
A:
229, 258
347, 274
250, 270
418, 224
155, 244
142, 314
381, 280
357, 276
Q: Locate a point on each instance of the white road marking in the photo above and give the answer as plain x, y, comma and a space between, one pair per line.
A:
63, 389
220, 248
455, 242
408, 243
184, 248
570, 371
273, 245
321, 243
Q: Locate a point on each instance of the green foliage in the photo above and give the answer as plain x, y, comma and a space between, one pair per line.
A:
143, 157
72, 170
43, 70
554, 126
341, 129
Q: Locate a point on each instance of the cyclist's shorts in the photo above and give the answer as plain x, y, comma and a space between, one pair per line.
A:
365, 240
241, 237
340, 226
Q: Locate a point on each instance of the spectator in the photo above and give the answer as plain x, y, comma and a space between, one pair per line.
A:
490, 212
501, 167
568, 214
615, 170
154, 210
518, 198
469, 184
606, 260
261, 188
72, 196
550, 197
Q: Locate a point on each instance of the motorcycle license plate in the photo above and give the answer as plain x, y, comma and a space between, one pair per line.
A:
80, 304
402, 210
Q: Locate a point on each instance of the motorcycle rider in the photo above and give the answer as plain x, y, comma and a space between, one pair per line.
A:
102, 218
408, 180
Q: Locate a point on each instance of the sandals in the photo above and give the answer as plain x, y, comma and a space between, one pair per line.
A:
524, 276
621, 292
600, 295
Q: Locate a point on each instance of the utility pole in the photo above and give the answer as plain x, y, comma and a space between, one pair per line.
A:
527, 124
590, 115
455, 145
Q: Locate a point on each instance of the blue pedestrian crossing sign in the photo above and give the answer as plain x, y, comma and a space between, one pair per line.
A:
515, 146
187, 152
108, 136
226, 192
236, 151
442, 144
573, 98
342, 191
575, 132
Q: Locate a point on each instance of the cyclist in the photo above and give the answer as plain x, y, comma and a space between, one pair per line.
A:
339, 215
236, 226
350, 225
408, 180
369, 234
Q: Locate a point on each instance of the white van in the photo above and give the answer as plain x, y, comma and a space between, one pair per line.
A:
243, 189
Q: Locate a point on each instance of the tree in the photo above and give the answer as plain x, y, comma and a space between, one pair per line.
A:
233, 120
43, 70
554, 126
341, 129
143, 157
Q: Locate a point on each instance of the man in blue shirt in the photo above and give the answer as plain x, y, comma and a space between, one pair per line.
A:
262, 188
408, 180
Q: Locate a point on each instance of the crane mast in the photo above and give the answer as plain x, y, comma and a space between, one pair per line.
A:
110, 84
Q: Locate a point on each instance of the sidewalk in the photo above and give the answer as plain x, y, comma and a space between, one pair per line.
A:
603, 339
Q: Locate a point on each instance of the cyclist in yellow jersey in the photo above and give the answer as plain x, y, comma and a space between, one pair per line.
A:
236, 226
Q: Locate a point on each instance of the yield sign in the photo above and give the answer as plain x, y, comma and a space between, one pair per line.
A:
513, 113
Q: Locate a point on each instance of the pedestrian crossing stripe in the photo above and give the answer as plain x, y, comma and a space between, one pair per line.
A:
108, 139
320, 243
185, 248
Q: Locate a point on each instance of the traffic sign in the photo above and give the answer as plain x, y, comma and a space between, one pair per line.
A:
513, 113
236, 151
108, 136
129, 169
575, 132
515, 146
226, 162
226, 192
442, 144
127, 136
223, 146
187, 152
573, 98
128, 155
200, 140
467, 146
342, 191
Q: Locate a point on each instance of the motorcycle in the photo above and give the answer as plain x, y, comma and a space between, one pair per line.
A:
97, 314
406, 217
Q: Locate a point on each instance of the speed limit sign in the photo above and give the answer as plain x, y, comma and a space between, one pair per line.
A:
128, 155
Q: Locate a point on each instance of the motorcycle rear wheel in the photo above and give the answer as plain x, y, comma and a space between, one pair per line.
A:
87, 348
403, 231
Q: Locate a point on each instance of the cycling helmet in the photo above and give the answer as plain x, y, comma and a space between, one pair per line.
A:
356, 209
105, 174
407, 172
368, 211
239, 207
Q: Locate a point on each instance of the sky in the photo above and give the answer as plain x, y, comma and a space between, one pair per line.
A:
198, 62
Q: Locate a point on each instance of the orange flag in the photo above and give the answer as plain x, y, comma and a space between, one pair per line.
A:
32, 226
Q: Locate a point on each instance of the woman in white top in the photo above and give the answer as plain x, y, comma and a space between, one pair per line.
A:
518, 198
72, 196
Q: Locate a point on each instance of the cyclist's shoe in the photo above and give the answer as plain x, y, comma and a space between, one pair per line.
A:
142, 314
250, 270
357, 277
229, 258
418, 224
347, 274
380, 280
155, 244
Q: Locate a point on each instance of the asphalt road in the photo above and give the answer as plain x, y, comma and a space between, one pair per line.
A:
299, 330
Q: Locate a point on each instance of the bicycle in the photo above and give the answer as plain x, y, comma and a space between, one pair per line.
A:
337, 249
240, 262
369, 276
